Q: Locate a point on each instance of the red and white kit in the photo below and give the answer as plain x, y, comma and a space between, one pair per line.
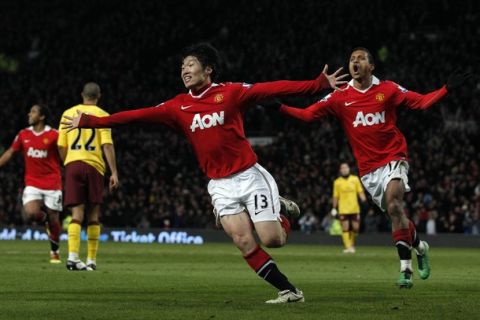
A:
369, 120
43, 179
213, 123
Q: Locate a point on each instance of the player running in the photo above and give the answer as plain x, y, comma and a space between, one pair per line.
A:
210, 115
346, 191
43, 180
366, 108
82, 153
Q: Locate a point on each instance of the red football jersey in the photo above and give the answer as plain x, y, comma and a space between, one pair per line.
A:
42, 163
369, 119
213, 120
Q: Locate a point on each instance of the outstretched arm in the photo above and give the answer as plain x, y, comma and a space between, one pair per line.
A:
265, 90
159, 114
314, 112
6, 156
416, 100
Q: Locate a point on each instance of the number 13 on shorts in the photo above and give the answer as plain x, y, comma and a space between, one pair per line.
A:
262, 208
260, 203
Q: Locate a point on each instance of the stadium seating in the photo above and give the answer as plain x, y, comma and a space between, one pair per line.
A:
135, 62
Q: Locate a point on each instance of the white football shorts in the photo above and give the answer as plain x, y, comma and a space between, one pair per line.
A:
253, 190
51, 198
376, 181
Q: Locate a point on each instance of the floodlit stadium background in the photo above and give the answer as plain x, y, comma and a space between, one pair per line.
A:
49, 51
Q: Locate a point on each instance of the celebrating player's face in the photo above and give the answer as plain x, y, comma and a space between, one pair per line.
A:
194, 76
34, 115
359, 65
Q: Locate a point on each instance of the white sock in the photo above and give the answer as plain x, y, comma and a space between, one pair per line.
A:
90, 261
420, 250
405, 264
73, 256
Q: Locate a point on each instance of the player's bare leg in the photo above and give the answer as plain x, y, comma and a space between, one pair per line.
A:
74, 229
239, 228
54, 228
93, 234
271, 233
405, 235
34, 212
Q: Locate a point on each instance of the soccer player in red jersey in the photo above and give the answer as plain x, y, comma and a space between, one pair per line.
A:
43, 181
210, 115
366, 108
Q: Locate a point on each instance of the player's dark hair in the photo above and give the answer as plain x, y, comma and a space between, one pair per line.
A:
369, 54
91, 90
44, 111
207, 55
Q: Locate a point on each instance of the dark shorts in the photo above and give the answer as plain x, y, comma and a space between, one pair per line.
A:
83, 184
349, 217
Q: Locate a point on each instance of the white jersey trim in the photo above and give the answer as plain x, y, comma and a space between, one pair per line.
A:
46, 129
201, 94
375, 81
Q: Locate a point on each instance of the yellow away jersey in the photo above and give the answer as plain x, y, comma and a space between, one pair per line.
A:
85, 144
346, 190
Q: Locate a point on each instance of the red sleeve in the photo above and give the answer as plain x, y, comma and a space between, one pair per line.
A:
17, 143
161, 114
314, 112
258, 92
414, 100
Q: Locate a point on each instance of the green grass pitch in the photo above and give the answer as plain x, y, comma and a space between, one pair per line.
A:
139, 281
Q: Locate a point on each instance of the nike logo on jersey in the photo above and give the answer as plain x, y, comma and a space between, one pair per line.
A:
349, 103
207, 121
185, 107
369, 119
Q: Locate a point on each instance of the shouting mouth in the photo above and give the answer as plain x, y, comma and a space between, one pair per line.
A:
356, 69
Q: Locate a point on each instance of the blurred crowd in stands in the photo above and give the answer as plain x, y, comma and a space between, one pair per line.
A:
49, 50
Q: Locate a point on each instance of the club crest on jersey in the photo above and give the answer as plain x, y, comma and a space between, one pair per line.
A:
35, 153
380, 97
207, 121
46, 141
218, 98
369, 119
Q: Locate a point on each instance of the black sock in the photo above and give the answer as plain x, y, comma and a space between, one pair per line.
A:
272, 275
54, 245
403, 250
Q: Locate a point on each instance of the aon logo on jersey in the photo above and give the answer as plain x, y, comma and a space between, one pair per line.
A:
369, 119
207, 121
35, 153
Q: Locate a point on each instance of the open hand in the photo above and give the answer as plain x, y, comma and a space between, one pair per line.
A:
456, 79
71, 123
335, 79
